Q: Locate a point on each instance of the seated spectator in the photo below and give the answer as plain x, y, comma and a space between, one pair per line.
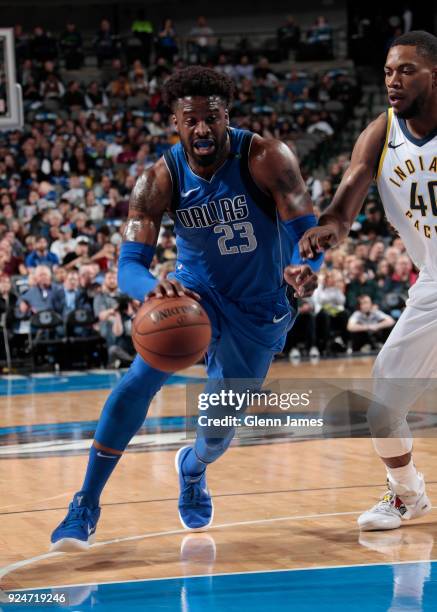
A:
120, 88
41, 295
41, 256
105, 43
376, 254
58, 176
59, 275
140, 89
225, 66
397, 285
392, 254
51, 89
73, 98
320, 124
10, 265
360, 283
71, 43
80, 255
374, 225
88, 283
383, 273
64, 244
105, 306
105, 256
368, 326
265, 72
331, 318
244, 69
81, 162
325, 198
94, 210
69, 296
76, 193
95, 96
118, 206
166, 45
166, 247
288, 36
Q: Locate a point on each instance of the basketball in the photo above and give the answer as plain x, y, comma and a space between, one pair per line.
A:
171, 333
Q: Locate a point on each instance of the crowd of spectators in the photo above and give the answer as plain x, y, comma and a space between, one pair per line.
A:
65, 181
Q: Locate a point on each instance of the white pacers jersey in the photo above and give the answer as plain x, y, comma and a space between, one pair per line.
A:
407, 184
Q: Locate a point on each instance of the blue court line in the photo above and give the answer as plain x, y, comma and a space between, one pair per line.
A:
81, 382
152, 424
354, 589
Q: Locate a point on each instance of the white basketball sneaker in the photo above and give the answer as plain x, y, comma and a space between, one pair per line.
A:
398, 504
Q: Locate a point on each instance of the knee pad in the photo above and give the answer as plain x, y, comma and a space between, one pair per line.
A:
392, 447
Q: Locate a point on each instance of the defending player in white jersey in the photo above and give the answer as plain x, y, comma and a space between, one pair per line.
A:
399, 149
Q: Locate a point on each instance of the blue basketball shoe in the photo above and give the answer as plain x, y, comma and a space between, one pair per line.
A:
77, 531
196, 509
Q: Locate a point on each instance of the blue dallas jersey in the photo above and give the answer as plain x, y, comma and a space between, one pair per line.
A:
228, 232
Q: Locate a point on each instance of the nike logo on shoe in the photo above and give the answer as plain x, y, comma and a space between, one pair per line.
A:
276, 320
394, 146
99, 454
185, 194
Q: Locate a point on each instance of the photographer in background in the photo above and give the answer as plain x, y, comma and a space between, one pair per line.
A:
105, 307
122, 352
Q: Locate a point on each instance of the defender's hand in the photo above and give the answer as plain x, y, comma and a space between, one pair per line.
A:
302, 279
171, 288
316, 240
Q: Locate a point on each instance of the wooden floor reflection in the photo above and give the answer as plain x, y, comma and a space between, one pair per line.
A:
277, 506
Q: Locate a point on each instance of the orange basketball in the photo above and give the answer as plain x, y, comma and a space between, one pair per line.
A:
171, 333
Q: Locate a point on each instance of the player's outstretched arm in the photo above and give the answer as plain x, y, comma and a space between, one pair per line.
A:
150, 198
275, 169
335, 223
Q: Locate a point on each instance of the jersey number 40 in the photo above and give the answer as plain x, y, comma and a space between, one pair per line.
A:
417, 201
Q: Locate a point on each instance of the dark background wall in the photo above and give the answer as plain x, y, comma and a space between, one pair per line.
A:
53, 13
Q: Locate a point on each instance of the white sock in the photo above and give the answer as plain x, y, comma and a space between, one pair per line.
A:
406, 475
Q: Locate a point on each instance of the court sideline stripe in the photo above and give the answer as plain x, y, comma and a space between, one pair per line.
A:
217, 496
24, 562
19, 564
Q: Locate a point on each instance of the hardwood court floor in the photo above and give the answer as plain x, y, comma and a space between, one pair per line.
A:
277, 506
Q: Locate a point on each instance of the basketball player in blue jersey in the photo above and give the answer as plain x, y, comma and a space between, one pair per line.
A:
240, 206
399, 150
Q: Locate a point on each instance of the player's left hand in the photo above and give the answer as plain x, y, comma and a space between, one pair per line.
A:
302, 279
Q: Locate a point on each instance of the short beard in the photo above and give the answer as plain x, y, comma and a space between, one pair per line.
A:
413, 110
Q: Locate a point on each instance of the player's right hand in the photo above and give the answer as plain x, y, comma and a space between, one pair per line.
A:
171, 288
317, 239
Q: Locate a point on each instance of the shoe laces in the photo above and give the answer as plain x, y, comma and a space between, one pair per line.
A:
76, 517
192, 492
387, 501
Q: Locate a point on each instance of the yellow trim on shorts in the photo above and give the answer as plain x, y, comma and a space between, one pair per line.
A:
384, 150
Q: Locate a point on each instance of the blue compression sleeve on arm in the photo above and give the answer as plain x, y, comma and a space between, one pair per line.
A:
296, 228
134, 277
